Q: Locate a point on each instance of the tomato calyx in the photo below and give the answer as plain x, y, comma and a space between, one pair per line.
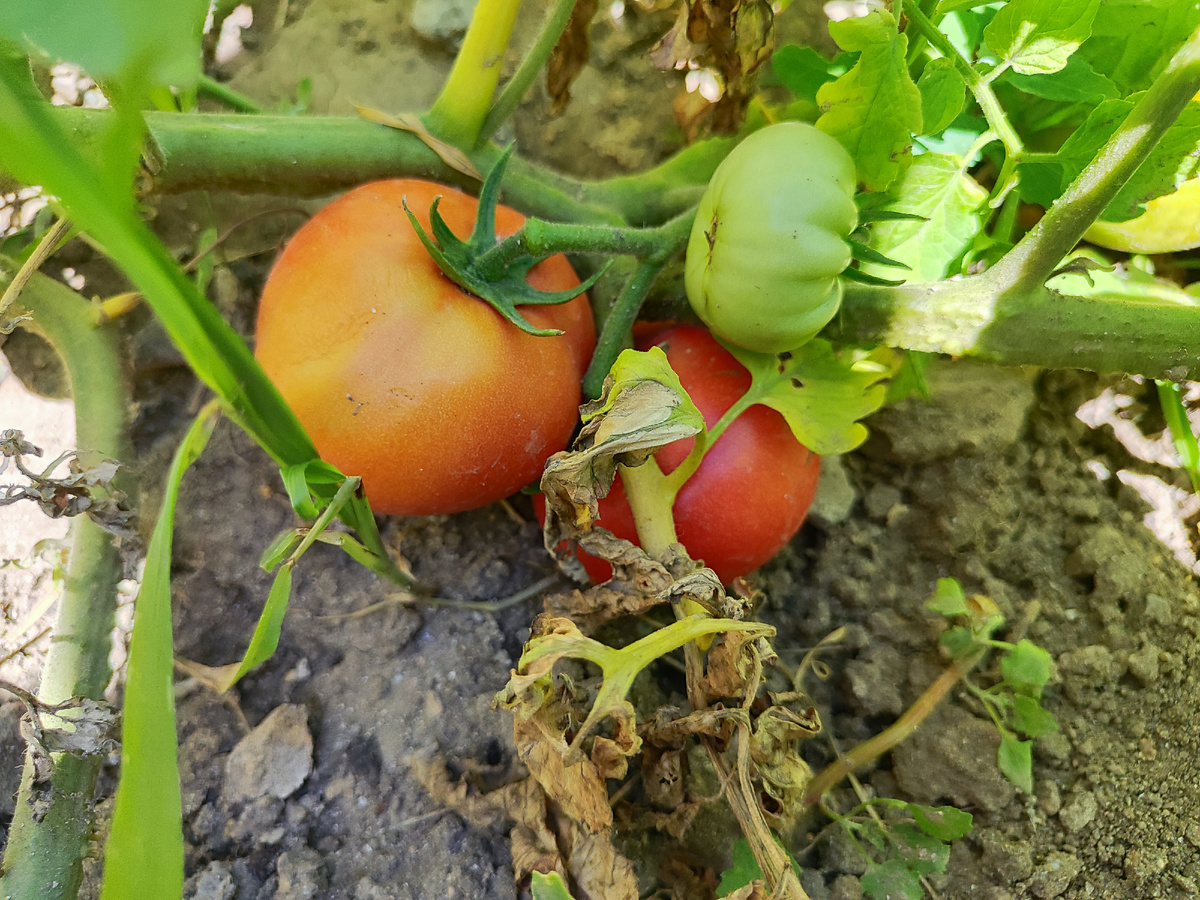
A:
863, 253
503, 287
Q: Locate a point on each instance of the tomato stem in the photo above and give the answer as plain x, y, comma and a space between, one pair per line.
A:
514, 91
652, 504
459, 112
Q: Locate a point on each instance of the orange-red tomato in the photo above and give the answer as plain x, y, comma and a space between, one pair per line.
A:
402, 377
754, 486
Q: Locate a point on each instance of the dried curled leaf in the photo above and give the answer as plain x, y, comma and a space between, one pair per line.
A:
642, 408
570, 55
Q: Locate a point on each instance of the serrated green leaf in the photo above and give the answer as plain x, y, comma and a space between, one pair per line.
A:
892, 880
937, 188
1078, 82
943, 95
548, 887
1026, 668
874, 109
1039, 36
821, 396
946, 823
1132, 40
923, 853
1031, 718
948, 599
1015, 759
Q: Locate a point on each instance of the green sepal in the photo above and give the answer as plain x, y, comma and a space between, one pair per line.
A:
503, 290
863, 253
863, 278
867, 216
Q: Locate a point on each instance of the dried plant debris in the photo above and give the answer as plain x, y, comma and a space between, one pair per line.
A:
577, 733
732, 38
86, 488
570, 55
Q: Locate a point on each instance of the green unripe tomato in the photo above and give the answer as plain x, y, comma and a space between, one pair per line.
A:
769, 239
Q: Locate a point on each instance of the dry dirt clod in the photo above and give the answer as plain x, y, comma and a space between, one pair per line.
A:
274, 759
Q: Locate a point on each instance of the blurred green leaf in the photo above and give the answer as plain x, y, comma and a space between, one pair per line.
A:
922, 852
1180, 426
270, 625
947, 823
1030, 718
144, 853
948, 599
1026, 668
744, 868
891, 880
548, 887
1132, 40
1015, 758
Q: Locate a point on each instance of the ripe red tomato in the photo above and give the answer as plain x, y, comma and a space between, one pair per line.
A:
402, 377
751, 492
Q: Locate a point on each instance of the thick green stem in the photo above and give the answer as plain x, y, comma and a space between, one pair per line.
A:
618, 324
1030, 263
459, 112
44, 854
514, 91
540, 239
1037, 327
650, 502
316, 155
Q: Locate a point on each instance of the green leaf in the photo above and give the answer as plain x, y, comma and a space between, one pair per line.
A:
549, 887
1039, 36
1123, 282
1174, 160
1031, 718
1015, 759
113, 38
270, 624
943, 95
821, 395
957, 641
874, 109
144, 853
1132, 40
948, 599
279, 549
946, 823
892, 880
1078, 82
937, 188
311, 478
802, 70
744, 868
1170, 399
923, 853
1026, 668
